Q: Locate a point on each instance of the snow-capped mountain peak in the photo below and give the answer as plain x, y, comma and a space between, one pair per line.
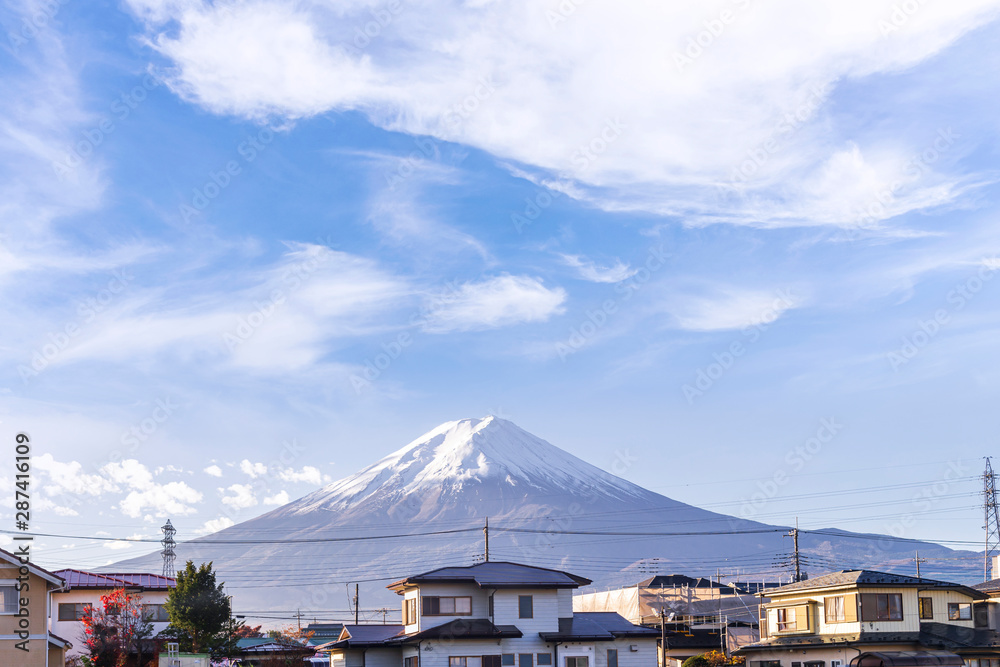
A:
489, 450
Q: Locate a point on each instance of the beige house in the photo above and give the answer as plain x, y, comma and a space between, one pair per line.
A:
494, 614
25, 600
875, 619
86, 588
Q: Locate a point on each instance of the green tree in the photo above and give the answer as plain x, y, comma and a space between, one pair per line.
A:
695, 661
197, 606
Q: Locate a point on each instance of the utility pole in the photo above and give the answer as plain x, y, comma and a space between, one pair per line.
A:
356, 611
794, 534
918, 560
298, 617
486, 531
663, 636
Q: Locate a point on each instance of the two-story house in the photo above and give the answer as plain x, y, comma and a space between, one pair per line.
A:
495, 614
86, 588
25, 599
874, 619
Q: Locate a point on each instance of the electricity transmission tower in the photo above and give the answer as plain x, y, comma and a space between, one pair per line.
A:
168, 549
992, 526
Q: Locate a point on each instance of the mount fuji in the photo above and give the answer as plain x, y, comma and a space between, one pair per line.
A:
425, 506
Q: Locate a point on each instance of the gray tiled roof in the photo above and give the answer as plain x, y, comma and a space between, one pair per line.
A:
869, 578
497, 574
362, 635
473, 628
596, 626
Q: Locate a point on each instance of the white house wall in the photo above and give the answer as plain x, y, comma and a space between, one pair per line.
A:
480, 604
545, 610
73, 631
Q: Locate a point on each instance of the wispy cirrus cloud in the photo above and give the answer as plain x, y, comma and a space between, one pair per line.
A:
492, 303
589, 270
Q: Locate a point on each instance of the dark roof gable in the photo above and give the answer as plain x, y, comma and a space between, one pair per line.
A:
495, 574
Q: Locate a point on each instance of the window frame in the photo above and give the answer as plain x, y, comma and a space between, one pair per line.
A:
525, 660
834, 603
783, 620
410, 611
576, 659
959, 607
881, 612
546, 663
925, 604
10, 609
530, 606
162, 615
612, 653
431, 605
411, 661
78, 613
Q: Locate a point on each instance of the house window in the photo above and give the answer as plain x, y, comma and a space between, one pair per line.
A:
490, 605
959, 611
577, 661
72, 612
881, 607
786, 620
525, 608
491, 661
543, 659
507, 659
155, 613
8, 599
525, 660
814, 663
833, 608
409, 611
412, 661
612, 657
454, 661
926, 608
438, 606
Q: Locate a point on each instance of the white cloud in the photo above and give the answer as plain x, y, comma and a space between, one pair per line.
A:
124, 544
69, 478
163, 500
129, 472
215, 525
280, 498
589, 270
254, 470
241, 497
213, 470
496, 302
723, 308
608, 98
283, 318
308, 474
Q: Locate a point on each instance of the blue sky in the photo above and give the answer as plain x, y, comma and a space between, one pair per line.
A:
251, 247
